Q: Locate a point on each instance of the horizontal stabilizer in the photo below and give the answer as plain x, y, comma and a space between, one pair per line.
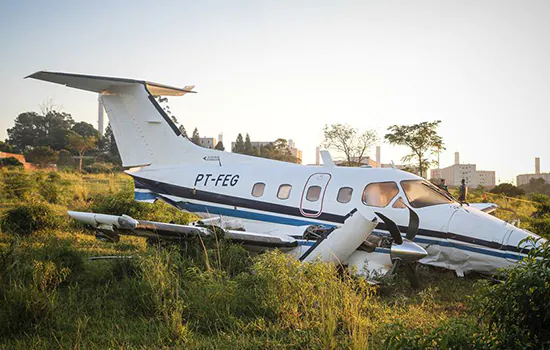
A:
105, 85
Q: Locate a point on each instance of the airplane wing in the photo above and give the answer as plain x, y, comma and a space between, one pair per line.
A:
485, 207
112, 225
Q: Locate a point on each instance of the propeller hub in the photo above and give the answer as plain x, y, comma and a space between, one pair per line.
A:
408, 251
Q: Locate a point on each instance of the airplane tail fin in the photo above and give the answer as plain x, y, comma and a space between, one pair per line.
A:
144, 133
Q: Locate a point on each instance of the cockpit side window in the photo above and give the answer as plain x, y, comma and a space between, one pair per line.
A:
423, 194
379, 194
399, 204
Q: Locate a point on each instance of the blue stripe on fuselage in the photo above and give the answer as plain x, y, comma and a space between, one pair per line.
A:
211, 209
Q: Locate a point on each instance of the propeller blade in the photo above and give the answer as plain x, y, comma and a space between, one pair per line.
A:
411, 275
392, 227
413, 224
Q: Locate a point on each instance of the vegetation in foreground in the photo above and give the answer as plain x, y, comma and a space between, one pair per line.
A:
212, 294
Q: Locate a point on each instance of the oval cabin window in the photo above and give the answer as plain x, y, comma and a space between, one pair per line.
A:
313, 193
258, 189
284, 191
344, 194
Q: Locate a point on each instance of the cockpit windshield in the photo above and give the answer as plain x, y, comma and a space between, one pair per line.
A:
423, 194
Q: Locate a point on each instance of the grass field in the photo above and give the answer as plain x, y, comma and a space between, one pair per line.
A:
211, 296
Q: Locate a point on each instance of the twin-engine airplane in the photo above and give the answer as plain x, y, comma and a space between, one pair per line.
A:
370, 219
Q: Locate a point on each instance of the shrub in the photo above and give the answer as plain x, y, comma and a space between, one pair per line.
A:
27, 218
16, 185
28, 292
51, 188
450, 334
155, 289
123, 202
517, 309
10, 162
97, 168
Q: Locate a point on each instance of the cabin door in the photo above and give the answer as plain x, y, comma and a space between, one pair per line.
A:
313, 195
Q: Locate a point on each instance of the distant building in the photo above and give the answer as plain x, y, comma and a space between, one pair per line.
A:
208, 142
456, 172
524, 179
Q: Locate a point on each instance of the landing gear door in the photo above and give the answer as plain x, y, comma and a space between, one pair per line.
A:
313, 195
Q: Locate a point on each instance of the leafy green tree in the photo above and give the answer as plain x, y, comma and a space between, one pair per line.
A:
41, 156
542, 205
196, 139
220, 146
109, 146
248, 149
6, 147
349, 141
33, 130
422, 139
508, 190
86, 130
65, 158
239, 144
163, 102
537, 185
81, 144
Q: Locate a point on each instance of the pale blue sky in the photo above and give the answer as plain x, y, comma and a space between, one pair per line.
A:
284, 69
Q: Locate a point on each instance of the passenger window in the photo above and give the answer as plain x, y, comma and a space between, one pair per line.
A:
313, 193
258, 189
379, 194
284, 191
399, 203
344, 194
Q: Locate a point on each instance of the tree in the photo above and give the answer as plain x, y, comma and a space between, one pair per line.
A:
239, 144
220, 147
542, 204
6, 147
347, 140
163, 103
183, 131
42, 156
33, 130
65, 158
508, 190
537, 185
422, 139
109, 146
248, 149
86, 129
81, 144
196, 139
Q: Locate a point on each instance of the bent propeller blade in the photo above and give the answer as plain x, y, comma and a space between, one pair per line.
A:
392, 227
414, 222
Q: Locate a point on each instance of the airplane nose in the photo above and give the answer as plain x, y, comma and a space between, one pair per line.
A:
407, 252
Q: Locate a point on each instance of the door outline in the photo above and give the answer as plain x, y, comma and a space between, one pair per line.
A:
321, 198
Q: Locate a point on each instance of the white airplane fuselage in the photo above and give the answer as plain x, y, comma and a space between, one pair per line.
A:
457, 237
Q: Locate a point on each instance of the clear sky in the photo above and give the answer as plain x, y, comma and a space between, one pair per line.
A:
287, 68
